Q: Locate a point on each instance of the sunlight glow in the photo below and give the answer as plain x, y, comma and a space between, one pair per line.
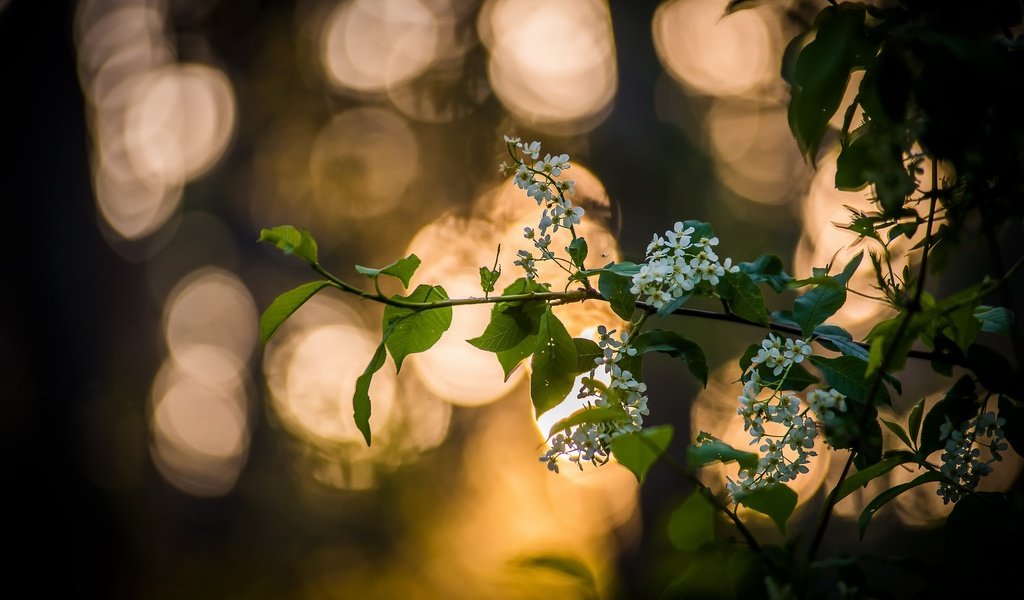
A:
369, 45
714, 55
552, 63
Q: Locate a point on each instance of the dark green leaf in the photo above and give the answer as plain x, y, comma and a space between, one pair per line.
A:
615, 289
869, 446
862, 477
767, 268
855, 164
670, 307
554, 364
797, 378
847, 375
883, 498
914, 420
625, 268
851, 267
361, 398
292, 241
677, 346
747, 358
839, 340
743, 297
897, 429
587, 353
638, 451
777, 501
692, 523
709, 449
511, 358
577, 250
812, 308
414, 330
958, 405
590, 414
402, 269
285, 305
994, 319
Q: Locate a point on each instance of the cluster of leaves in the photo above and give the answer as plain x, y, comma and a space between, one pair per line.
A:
941, 84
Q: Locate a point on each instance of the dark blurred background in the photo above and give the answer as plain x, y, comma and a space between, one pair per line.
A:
158, 451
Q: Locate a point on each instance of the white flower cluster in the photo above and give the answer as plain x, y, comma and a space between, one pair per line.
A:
778, 356
676, 264
785, 455
961, 461
589, 442
537, 177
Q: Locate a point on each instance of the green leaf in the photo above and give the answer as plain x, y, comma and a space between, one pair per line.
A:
709, 449
414, 330
587, 353
285, 305
292, 241
914, 420
488, 278
821, 72
638, 451
670, 307
511, 358
839, 340
767, 268
897, 429
402, 269
958, 405
570, 566
361, 398
625, 268
777, 501
847, 375
883, 498
615, 289
554, 364
994, 319
692, 523
812, 308
505, 331
589, 414
676, 346
743, 297
577, 250
797, 378
862, 477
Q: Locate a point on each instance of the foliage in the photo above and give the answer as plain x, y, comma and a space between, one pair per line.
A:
940, 89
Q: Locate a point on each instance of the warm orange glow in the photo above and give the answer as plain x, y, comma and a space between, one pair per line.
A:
179, 122
361, 162
311, 367
715, 55
156, 124
452, 250
200, 430
210, 307
369, 45
755, 152
552, 63
312, 376
823, 206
